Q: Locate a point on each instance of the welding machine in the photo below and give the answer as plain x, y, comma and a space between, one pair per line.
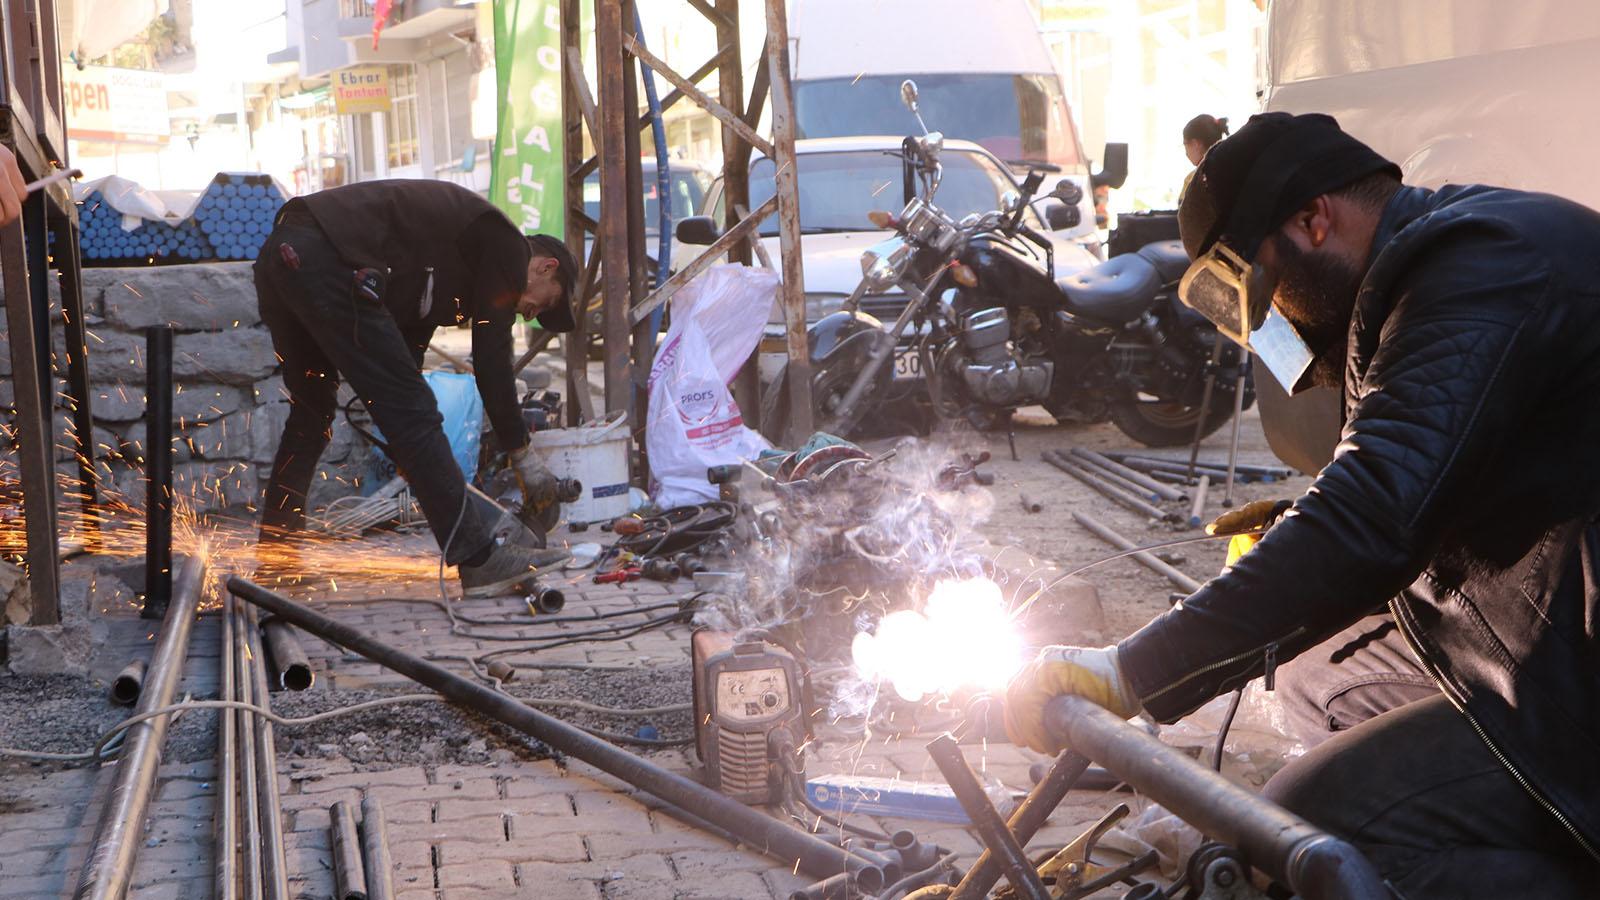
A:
749, 715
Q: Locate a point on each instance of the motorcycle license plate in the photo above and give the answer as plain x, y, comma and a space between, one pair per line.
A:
907, 364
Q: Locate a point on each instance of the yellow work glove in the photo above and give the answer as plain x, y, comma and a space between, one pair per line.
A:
1247, 524
1089, 672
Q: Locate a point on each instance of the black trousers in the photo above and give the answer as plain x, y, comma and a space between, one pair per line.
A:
323, 330
1425, 799
1361, 672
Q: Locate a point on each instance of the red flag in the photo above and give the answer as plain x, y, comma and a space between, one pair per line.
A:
380, 15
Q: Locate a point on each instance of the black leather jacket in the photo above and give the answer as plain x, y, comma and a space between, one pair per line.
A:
1465, 491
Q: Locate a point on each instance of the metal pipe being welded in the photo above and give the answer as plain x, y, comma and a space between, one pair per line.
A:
349, 874
790, 845
1312, 863
378, 865
1005, 847
129, 682
289, 662
158, 471
274, 869
121, 830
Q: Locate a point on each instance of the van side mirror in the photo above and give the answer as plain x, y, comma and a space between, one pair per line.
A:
1061, 216
698, 230
1113, 169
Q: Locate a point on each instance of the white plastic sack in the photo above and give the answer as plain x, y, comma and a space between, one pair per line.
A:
694, 423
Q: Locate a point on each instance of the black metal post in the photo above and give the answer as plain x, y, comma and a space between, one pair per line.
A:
158, 471
797, 848
1002, 844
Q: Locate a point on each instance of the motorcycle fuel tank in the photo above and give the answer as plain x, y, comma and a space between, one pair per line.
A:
1014, 274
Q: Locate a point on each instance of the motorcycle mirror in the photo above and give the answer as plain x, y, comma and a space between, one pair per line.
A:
908, 94
697, 230
1067, 191
1061, 216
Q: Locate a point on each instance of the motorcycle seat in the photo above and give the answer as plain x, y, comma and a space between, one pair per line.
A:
1169, 258
1113, 291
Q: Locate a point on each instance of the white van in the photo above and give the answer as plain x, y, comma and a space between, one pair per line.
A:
1456, 92
982, 69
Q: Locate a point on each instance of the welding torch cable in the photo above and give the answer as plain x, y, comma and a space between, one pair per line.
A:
521, 622
598, 636
1159, 545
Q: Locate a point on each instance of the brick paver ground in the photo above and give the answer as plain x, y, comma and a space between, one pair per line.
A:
515, 828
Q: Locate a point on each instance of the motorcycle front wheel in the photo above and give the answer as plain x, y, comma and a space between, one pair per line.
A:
1164, 423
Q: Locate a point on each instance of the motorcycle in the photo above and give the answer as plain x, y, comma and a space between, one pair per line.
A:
987, 329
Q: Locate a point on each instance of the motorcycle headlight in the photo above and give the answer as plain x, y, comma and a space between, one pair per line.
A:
883, 264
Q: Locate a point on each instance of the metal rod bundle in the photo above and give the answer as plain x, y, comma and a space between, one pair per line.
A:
1116, 479
117, 839
986, 820
1110, 492
158, 471
289, 660
129, 682
1142, 558
379, 867
793, 846
1310, 862
1100, 460
349, 874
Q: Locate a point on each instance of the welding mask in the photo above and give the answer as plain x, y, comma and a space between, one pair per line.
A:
1236, 296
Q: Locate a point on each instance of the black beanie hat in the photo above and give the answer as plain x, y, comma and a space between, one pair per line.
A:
560, 319
1250, 183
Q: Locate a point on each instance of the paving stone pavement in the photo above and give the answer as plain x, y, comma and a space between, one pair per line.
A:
511, 828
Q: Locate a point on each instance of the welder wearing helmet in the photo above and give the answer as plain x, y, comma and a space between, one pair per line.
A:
1463, 327
352, 282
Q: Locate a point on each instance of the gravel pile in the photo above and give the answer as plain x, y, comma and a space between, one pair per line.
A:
67, 714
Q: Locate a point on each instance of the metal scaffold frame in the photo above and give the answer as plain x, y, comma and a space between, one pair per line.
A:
616, 268
33, 126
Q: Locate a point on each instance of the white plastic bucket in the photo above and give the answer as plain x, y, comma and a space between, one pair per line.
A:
595, 454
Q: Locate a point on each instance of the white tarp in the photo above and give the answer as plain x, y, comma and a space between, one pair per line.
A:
92, 28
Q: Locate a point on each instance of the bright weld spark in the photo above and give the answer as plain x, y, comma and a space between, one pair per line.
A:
962, 638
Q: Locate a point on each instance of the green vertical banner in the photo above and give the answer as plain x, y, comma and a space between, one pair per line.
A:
526, 179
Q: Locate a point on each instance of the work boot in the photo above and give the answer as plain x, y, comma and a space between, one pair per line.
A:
508, 566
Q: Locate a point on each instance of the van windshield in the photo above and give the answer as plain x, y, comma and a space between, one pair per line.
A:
839, 188
1020, 118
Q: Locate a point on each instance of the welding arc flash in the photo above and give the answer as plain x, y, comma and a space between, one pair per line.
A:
962, 638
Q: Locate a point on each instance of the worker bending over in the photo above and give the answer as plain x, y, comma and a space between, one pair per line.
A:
352, 282
1463, 327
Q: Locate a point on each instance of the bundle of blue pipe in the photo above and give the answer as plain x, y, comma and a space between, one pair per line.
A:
230, 222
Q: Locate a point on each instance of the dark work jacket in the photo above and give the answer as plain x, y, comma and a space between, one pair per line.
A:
478, 260
1465, 491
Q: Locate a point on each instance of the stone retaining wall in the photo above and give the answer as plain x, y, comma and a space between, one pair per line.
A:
229, 402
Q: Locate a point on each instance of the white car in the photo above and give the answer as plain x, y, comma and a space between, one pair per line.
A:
841, 181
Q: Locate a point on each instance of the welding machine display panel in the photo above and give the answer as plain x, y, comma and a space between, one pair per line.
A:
753, 695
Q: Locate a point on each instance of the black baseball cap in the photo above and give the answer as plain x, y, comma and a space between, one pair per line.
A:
1249, 184
559, 319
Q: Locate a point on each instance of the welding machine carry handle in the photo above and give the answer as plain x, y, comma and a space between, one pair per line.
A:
1314, 864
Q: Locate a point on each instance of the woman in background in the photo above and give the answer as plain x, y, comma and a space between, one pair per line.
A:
1198, 136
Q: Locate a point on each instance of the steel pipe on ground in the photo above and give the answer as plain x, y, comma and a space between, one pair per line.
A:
291, 667
274, 871
1309, 861
1163, 491
120, 832
1104, 488
226, 828
249, 785
1142, 558
129, 682
378, 866
790, 845
349, 874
